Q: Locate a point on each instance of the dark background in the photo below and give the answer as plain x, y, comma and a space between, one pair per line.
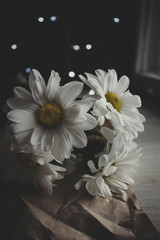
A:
48, 45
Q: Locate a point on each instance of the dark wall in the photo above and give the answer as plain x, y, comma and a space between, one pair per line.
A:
48, 45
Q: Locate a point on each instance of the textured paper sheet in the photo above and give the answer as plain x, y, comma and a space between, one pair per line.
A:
26, 214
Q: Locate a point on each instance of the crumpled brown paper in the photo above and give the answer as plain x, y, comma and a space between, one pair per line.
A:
26, 214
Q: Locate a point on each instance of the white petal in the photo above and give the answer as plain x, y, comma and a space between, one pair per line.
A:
117, 183
78, 137
47, 139
57, 168
101, 74
100, 108
79, 184
103, 161
103, 77
74, 122
85, 105
110, 170
92, 187
128, 166
61, 148
53, 85
21, 92
85, 81
101, 120
123, 178
139, 116
108, 134
71, 112
103, 187
73, 116
38, 159
134, 128
52, 173
38, 92
95, 79
119, 141
36, 136
133, 101
96, 85
115, 189
69, 92
130, 114
116, 119
87, 177
21, 116
20, 103
92, 166
122, 85
112, 80
20, 127
35, 75
91, 98
23, 137
89, 123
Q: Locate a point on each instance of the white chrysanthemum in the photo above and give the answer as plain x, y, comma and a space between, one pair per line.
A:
22, 168
125, 141
114, 173
49, 116
114, 102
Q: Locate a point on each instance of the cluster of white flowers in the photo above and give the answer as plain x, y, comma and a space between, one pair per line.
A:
47, 123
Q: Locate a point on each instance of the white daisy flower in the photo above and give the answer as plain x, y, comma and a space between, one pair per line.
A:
21, 167
114, 102
49, 116
114, 173
125, 140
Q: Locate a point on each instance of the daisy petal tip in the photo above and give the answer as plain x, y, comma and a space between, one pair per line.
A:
9, 115
81, 84
52, 72
98, 71
81, 77
50, 192
79, 184
33, 72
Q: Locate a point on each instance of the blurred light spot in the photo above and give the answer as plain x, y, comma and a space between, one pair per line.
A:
28, 70
150, 90
71, 74
76, 47
53, 18
41, 19
116, 20
88, 46
91, 92
14, 46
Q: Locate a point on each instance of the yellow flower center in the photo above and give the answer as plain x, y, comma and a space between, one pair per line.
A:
50, 114
27, 160
114, 100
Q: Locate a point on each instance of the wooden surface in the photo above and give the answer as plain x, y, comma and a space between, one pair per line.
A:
147, 181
